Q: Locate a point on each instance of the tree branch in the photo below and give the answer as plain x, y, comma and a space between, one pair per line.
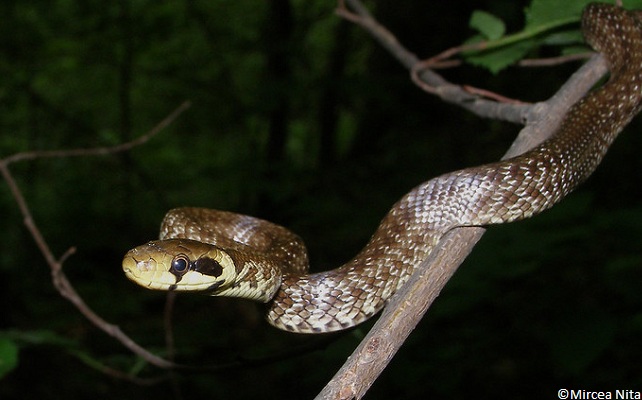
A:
427, 78
60, 281
407, 307
99, 151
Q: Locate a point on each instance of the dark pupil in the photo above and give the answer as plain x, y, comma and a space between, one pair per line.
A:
180, 264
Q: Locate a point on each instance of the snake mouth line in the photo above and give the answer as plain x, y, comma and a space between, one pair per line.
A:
214, 286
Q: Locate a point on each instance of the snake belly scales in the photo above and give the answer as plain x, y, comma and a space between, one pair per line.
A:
225, 254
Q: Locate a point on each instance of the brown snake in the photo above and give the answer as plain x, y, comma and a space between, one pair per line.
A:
225, 254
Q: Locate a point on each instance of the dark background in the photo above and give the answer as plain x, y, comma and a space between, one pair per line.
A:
299, 118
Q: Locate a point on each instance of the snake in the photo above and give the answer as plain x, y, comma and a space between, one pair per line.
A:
220, 253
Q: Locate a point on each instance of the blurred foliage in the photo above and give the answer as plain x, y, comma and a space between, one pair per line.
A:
299, 118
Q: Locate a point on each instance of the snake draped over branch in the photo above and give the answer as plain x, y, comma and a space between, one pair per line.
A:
225, 254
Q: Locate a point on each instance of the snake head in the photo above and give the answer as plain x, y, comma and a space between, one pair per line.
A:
181, 265
190, 265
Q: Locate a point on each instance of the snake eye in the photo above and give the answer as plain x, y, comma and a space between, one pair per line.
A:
180, 264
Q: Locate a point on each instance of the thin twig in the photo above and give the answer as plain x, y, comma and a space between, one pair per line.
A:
100, 151
491, 95
551, 61
59, 279
426, 78
114, 373
170, 300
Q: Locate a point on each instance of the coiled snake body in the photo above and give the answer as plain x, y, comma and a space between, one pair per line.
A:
225, 254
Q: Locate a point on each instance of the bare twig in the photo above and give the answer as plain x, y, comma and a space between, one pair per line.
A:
170, 300
547, 62
491, 95
114, 373
60, 281
99, 151
408, 306
430, 80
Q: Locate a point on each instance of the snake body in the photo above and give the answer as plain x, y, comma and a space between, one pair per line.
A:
225, 254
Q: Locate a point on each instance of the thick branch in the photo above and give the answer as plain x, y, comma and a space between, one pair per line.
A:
409, 305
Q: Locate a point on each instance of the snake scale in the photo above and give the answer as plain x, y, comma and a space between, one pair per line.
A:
224, 254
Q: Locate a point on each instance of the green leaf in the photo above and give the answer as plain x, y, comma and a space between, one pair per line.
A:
542, 17
491, 27
36, 337
8, 356
632, 4
542, 13
501, 58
